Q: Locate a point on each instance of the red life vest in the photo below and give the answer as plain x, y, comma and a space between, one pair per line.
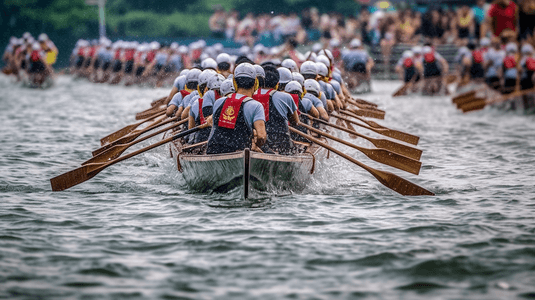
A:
530, 64
296, 101
92, 51
429, 57
477, 55
229, 113
509, 62
81, 51
216, 93
408, 62
117, 54
35, 56
264, 100
184, 93
201, 116
150, 56
129, 54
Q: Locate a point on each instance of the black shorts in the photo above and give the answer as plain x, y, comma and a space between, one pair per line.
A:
168, 69
36, 67
105, 65
129, 67
464, 33
96, 64
117, 66
140, 71
79, 61
157, 68
431, 70
359, 68
23, 64
87, 62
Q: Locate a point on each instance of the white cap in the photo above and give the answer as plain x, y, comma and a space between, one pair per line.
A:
426, 49
323, 59
259, 71
43, 37
193, 75
205, 76
334, 43
285, 75
245, 70
155, 45
309, 67
209, 63
355, 43
204, 56
298, 77
407, 54
244, 50
214, 82
527, 48
322, 69
218, 47
311, 56
485, 42
227, 87
259, 47
316, 47
417, 49
293, 86
184, 72
312, 85
26, 35
223, 57
201, 43
511, 47
183, 49
274, 51
290, 64
36, 46
174, 45
327, 53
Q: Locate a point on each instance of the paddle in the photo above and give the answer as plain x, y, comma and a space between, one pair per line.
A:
364, 106
117, 149
402, 90
364, 102
396, 134
134, 135
379, 143
482, 102
159, 102
367, 113
126, 130
391, 181
84, 173
379, 155
149, 112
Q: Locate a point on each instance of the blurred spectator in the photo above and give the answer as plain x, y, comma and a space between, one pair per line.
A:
217, 23
526, 19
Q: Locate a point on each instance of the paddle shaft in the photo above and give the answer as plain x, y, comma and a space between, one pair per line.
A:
398, 135
394, 182
84, 173
379, 143
379, 155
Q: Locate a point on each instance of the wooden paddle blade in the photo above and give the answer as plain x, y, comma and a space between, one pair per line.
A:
158, 102
108, 154
118, 134
362, 101
464, 101
398, 135
462, 96
402, 90
400, 185
150, 112
368, 113
394, 160
404, 150
451, 78
125, 139
351, 128
479, 104
74, 177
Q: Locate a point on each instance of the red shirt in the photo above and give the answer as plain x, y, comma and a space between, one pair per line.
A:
504, 18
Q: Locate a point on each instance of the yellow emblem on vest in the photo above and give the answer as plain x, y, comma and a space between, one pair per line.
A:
229, 114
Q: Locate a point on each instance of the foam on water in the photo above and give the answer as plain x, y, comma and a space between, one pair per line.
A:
135, 231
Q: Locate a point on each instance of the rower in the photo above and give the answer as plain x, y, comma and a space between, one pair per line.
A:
227, 87
493, 61
296, 76
473, 63
290, 65
309, 70
313, 90
528, 67
304, 105
223, 64
509, 68
434, 66
279, 108
285, 76
358, 63
406, 67
237, 119
202, 108
209, 63
192, 79
201, 89
327, 88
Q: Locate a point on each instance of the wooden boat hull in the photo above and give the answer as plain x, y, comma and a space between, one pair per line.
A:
224, 172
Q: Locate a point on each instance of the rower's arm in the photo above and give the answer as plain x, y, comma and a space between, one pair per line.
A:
185, 113
314, 112
191, 122
294, 118
323, 114
170, 110
261, 135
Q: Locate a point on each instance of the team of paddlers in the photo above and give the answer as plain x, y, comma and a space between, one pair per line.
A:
29, 59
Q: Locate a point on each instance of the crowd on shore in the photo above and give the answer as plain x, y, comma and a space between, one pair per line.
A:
27, 58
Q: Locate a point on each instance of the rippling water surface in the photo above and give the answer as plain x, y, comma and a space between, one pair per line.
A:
136, 232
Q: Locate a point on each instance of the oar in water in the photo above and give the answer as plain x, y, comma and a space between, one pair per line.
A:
364, 102
379, 155
116, 150
482, 102
396, 134
126, 130
379, 143
159, 102
391, 181
84, 173
367, 113
364, 106
134, 135
403, 89
149, 112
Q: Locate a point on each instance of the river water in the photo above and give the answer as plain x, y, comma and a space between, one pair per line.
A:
136, 232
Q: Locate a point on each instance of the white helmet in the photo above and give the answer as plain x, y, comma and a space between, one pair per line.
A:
355, 43
511, 47
527, 48
193, 75
244, 50
417, 49
427, 49
327, 53
218, 47
214, 82
227, 87
298, 77
285, 75
209, 63
43, 37
407, 54
245, 70
309, 67
223, 57
334, 43
322, 69
174, 45
485, 42
184, 72
290, 64
293, 86
259, 71
183, 49
36, 46
205, 76
312, 85
316, 47
323, 59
